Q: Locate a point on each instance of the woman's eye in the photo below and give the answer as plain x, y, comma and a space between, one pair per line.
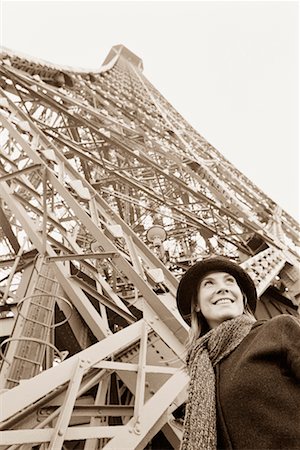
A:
207, 283
231, 280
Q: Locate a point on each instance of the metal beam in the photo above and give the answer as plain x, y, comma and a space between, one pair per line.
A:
32, 390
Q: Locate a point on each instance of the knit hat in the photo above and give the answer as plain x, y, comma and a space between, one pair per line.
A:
190, 281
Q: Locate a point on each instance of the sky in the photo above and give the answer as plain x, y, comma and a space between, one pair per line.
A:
230, 68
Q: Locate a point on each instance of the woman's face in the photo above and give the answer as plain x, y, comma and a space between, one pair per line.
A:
219, 298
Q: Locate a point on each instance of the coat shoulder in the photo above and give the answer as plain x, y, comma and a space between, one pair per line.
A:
279, 322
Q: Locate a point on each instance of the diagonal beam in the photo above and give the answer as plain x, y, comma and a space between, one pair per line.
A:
30, 391
64, 418
136, 437
7, 230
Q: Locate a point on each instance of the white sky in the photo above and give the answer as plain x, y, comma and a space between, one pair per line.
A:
230, 68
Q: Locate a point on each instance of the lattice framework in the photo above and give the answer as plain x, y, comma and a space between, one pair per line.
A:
90, 162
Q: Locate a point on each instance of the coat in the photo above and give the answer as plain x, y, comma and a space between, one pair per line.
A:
258, 389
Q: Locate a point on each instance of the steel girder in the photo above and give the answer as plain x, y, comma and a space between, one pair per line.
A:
107, 196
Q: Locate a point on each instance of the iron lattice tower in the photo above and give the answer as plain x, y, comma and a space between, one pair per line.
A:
107, 196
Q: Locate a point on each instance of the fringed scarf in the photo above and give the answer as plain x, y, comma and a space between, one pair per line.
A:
200, 431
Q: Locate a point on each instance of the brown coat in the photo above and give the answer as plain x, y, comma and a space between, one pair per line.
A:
258, 389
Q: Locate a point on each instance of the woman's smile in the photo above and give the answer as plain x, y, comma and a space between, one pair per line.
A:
223, 301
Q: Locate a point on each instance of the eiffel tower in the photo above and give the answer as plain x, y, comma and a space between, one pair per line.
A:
107, 196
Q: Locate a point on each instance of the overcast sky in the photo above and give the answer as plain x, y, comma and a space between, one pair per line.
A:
230, 68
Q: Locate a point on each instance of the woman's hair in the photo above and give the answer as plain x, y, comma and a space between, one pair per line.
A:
199, 325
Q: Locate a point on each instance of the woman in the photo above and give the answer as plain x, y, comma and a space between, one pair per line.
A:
244, 374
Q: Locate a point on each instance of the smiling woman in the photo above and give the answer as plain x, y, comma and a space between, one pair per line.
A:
232, 361
188, 293
219, 298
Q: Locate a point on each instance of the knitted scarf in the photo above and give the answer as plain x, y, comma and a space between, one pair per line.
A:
200, 431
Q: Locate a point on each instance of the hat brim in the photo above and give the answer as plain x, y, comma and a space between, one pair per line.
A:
189, 283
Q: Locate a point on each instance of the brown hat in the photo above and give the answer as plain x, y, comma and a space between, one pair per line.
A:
190, 281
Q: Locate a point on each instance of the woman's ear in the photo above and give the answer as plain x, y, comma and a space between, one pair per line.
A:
197, 309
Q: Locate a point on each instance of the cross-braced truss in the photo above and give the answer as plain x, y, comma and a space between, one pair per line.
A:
107, 196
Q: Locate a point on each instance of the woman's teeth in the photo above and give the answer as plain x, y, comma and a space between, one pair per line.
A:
223, 300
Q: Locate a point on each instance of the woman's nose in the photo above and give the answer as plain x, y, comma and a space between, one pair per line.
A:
222, 288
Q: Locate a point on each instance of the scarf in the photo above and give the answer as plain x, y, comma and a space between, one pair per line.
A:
200, 430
